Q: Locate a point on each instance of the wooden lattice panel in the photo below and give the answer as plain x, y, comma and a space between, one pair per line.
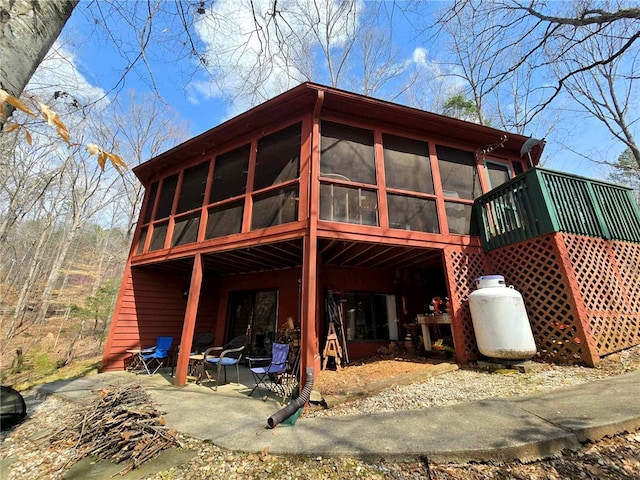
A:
463, 266
535, 269
608, 277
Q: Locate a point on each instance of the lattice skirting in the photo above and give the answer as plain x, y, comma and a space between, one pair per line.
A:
582, 294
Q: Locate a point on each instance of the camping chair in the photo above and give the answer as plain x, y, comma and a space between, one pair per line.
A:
230, 355
153, 358
275, 371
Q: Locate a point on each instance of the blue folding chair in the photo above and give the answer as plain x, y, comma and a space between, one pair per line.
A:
274, 372
153, 358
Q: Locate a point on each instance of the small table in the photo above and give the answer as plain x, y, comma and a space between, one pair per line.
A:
135, 361
426, 320
196, 365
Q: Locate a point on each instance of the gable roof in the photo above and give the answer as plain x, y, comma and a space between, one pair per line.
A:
303, 98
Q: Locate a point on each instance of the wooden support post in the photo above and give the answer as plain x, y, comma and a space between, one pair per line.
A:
189, 322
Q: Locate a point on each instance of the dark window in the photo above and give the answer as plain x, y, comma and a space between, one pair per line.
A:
275, 207
517, 168
368, 316
224, 220
158, 236
167, 193
498, 173
460, 218
278, 158
412, 213
348, 204
406, 164
194, 182
346, 153
458, 173
152, 198
185, 229
143, 238
230, 174
254, 313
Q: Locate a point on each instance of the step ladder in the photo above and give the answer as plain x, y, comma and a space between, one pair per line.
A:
332, 349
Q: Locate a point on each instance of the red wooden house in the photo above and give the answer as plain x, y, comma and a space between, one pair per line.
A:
320, 192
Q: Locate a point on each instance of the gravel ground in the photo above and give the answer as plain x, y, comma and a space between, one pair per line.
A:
26, 451
472, 384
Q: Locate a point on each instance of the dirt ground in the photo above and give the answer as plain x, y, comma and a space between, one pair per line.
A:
359, 375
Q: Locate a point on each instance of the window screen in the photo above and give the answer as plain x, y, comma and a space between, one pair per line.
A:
348, 204
185, 229
152, 199
143, 238
224, 220
412, 213
458, 173
158, 236
278, 158
498, 173
194, 182
275, 208
230, 174
347, 153
167, 193
460, 218
406, 164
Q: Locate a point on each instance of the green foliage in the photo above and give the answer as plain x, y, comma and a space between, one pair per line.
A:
457, 106
627, 172
98, 307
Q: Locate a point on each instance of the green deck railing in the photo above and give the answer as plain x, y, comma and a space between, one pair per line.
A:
541, 201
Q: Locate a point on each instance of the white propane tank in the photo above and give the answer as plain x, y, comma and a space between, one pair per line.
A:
500, 320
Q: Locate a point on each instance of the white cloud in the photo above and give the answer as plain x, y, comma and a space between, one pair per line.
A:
59, 72
250, 60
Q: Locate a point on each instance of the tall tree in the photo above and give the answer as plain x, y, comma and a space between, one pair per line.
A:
543, 33
609, 91
28, 31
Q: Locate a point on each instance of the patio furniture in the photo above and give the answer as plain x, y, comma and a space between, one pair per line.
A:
202, 342
152, 359
274, 372
230, 355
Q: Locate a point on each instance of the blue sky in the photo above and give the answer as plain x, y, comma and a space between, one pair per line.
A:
97, 66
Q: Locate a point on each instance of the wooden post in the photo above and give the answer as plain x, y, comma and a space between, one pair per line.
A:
189, 322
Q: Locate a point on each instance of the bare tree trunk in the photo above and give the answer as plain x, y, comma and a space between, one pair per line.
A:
21, 304
28, 31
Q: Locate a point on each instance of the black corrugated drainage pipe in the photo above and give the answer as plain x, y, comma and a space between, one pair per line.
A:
284, 413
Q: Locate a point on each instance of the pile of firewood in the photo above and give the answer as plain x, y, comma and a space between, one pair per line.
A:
120, 424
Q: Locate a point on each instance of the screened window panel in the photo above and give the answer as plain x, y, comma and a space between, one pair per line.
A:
143, 238
347, 153
407, 165
185, 229
153, 191
278, 158
460, 218
158, 236
498, 173
194, 182
348, 204
230, 174
275, 208
167, 192
224, 220
458, 173
412, 213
